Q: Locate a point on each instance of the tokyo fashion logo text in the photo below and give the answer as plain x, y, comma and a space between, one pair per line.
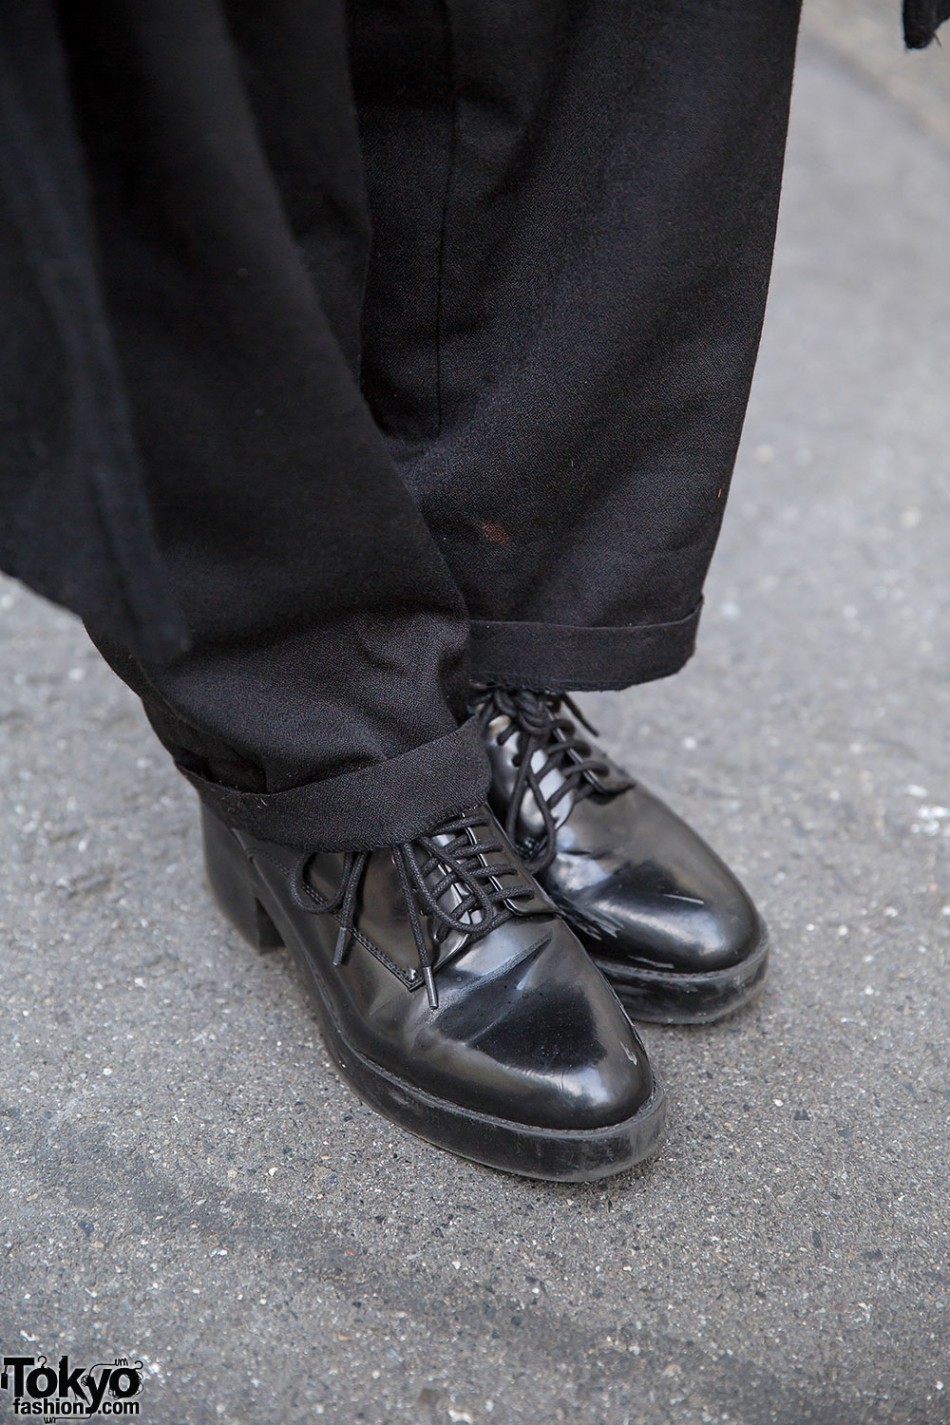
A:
58, 1392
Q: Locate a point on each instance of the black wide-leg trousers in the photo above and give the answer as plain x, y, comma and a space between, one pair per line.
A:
437, 320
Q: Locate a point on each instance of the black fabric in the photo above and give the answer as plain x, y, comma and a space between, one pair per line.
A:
436, 323
602, 182
538, 655
327, 633
74, 523
922, 19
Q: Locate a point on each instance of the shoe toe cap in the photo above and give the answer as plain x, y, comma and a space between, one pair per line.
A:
692, 932
656, 893
548, 1044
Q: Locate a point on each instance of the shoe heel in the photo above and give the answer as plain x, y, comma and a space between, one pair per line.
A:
229, 876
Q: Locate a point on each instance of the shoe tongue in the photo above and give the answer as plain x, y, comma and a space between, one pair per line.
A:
557, 761
552, 758
550, 784
509, 875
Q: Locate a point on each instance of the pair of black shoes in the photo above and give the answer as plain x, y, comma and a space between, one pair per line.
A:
471, 985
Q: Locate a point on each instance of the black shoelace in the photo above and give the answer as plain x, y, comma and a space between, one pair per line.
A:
538, 722
466, 866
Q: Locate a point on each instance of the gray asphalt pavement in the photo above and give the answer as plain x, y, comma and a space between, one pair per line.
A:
184, 1180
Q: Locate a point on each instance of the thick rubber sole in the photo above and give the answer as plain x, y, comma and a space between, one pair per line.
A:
557, 1155
663, 997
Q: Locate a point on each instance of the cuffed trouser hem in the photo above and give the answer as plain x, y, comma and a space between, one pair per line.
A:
377, 806
562, 658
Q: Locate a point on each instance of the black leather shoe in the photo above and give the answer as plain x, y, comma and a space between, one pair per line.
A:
662, 916
452, 996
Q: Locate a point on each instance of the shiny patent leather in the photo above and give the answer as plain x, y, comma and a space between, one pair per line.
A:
526, 1063
662, 915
